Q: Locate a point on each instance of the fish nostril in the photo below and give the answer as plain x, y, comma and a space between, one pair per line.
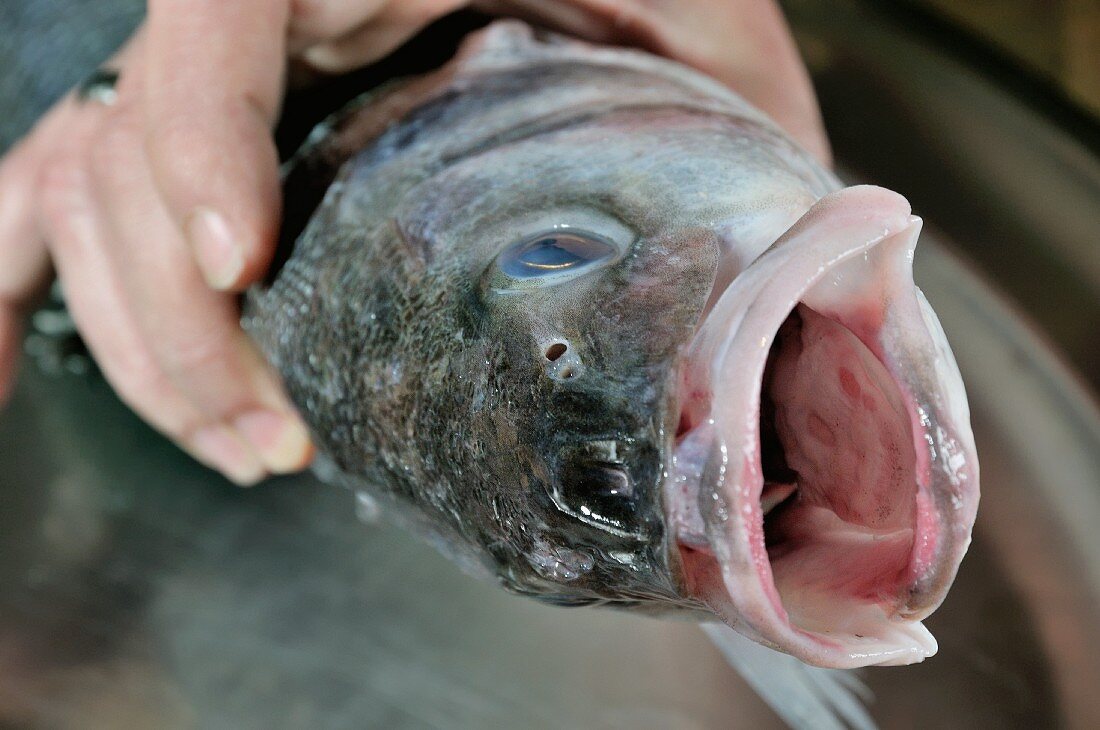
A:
555, 350
562, 362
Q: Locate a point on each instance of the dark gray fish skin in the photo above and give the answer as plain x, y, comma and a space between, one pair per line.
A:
428, 385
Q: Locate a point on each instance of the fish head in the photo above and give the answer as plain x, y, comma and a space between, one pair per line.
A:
608, 334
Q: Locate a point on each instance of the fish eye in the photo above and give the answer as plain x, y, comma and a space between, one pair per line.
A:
555, 255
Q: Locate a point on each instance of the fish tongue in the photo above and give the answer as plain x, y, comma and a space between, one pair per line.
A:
827, 583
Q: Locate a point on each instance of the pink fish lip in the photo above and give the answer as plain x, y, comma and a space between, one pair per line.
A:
824, 482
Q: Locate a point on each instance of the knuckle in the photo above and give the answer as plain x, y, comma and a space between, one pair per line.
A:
198, 358
19, 166
118, 145
319, 19
426, 11
178, 138
64, 176
144, 387
64, 186
306, 12
210, 370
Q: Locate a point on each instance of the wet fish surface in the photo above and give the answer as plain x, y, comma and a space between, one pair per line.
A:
601, 332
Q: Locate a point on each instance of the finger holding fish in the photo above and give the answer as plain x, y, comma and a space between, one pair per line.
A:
70, 219
120, 263
193, 333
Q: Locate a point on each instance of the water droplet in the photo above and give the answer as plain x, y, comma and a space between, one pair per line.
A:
558, 563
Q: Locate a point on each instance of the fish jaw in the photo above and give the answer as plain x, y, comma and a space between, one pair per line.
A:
824, 481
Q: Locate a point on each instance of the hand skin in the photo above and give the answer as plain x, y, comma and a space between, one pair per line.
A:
156, 210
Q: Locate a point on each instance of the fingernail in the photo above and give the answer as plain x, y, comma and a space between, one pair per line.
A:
219, 258
281, 440
220, 448
324, 58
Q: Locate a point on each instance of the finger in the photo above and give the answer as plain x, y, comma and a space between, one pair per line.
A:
194, 333
746, 44
23, 257
756, 55
24, 261
377, 35
98, 306
314, 21
72, 222
213, 82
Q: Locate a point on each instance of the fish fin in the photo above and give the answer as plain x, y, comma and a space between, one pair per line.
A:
805, 697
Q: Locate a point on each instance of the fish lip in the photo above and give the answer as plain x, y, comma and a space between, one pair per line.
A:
713, 488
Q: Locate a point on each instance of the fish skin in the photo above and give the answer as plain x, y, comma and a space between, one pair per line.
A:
430, 392
427, 382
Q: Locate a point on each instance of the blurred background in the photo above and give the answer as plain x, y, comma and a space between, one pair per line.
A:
987, 115
139, 590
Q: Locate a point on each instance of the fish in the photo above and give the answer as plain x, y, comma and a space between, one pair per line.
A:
596, 328
601, 332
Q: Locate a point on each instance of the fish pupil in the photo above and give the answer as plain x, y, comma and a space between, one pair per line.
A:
549, 254
546, 253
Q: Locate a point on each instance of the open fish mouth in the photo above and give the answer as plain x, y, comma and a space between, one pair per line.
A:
824, 481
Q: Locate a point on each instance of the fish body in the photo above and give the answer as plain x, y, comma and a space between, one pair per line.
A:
603, 333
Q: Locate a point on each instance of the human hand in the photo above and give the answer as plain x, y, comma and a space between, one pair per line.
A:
156, 209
